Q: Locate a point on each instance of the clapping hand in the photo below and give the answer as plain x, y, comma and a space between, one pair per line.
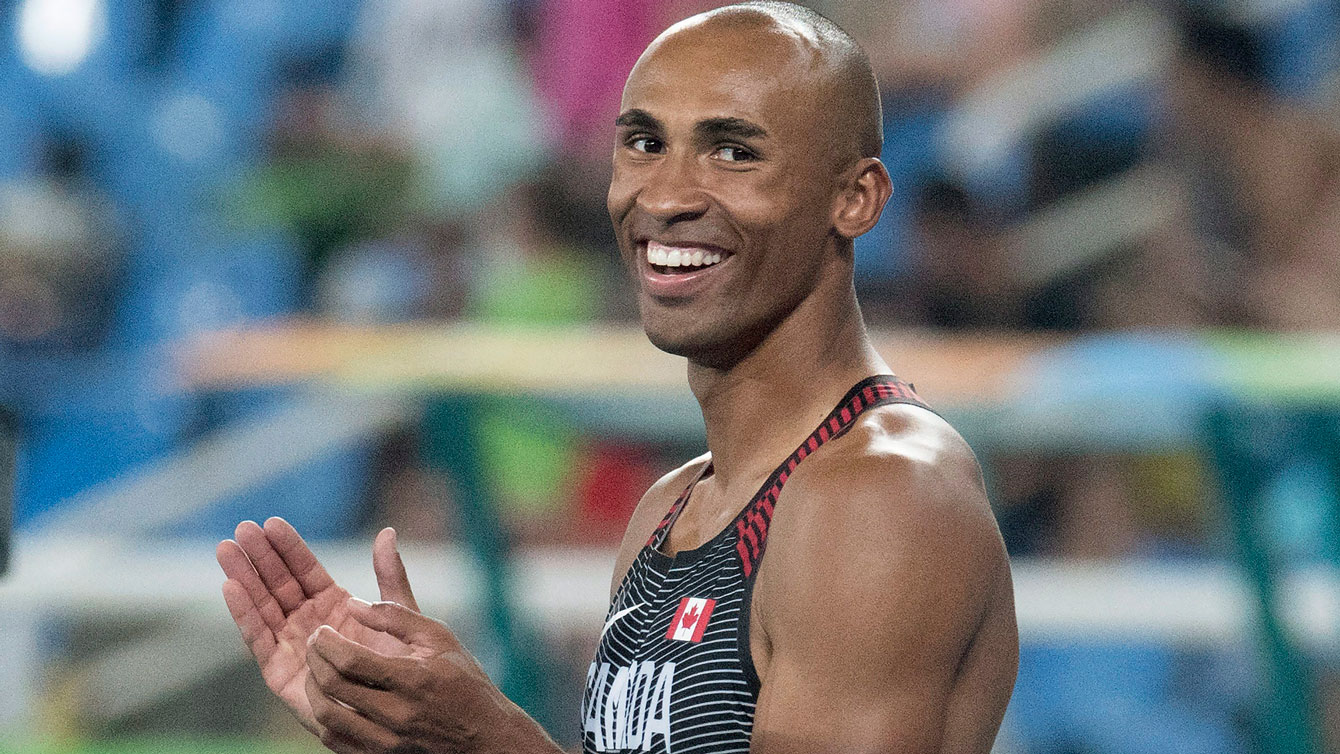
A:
279, 594
434, 698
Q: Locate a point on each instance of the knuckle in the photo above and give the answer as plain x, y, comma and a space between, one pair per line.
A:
422, 681
395, 743
400, 718
331, 685
340, 662
460, 667
454, 665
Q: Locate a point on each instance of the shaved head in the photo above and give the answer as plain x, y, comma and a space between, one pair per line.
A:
842, 77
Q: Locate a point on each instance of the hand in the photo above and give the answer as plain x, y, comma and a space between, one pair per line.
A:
278, 593
435, 698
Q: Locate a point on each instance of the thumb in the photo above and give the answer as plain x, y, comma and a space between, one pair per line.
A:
409, 626
390, 570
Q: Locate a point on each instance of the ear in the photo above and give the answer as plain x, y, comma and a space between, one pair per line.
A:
858, 205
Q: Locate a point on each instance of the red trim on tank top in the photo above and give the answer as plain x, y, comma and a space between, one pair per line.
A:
751, 524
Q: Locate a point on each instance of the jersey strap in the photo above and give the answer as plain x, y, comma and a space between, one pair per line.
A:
662, 529
751, 524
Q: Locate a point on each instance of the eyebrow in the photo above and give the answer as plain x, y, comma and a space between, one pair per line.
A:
710, 129
716, 129
638, 118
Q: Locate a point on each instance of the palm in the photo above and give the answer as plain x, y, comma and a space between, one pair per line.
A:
279, 594
284, 666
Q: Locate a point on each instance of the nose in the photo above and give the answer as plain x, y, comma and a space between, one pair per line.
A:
673, 192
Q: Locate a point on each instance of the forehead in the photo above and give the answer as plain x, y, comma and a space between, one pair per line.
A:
717, 70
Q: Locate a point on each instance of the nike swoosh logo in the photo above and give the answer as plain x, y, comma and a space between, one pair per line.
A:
617, 616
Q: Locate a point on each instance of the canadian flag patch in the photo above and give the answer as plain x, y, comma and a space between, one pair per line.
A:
691, 619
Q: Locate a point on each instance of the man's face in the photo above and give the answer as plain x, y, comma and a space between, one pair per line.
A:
722, 188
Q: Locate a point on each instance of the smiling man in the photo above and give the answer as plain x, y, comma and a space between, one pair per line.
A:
882, 618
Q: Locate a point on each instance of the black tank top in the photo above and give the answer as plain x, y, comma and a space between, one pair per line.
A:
673, 672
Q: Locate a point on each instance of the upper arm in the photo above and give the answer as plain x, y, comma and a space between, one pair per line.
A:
872, 607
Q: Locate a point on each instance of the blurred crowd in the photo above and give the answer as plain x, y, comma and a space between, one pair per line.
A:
171, 168
1060, 165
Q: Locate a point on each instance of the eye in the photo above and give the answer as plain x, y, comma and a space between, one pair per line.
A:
734, 153
645, 144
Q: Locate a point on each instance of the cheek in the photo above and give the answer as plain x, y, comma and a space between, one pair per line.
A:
787, 198
619, 196
791, 234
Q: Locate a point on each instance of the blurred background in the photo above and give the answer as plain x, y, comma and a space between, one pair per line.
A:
348, 263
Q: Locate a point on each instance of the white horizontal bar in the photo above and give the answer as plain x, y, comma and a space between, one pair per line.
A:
568, 589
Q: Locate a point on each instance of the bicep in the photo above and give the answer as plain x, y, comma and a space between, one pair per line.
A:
865, 648
806, 708
864, 674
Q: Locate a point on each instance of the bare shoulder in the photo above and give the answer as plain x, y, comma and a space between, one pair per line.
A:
903, 470
649, 512
902, 465
890, 519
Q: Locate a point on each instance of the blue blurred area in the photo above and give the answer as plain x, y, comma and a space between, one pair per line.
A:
1128, 699
167, 106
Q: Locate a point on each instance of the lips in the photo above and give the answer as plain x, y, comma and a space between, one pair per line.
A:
678, 270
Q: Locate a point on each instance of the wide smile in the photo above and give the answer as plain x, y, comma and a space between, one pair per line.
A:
675, 271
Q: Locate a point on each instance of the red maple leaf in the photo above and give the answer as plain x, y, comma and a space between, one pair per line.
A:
690, 618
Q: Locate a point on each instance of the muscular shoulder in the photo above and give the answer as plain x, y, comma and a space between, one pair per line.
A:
891, 518
649, 512
899, 473
901, 468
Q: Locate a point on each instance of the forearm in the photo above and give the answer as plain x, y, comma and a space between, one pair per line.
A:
515, 732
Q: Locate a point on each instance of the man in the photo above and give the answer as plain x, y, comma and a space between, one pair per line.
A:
882, 619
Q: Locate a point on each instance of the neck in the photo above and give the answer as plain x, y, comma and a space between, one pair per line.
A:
758, 409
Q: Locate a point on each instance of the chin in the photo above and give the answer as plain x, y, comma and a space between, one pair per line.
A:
672, 341
719, 348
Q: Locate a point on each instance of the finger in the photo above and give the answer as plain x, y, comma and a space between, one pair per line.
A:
255, 633
382, 707
272, 569
409, 626
304, 566
237, 567
390, 570
345, 730
357, 662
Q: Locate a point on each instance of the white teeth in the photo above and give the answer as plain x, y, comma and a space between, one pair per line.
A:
668, 256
